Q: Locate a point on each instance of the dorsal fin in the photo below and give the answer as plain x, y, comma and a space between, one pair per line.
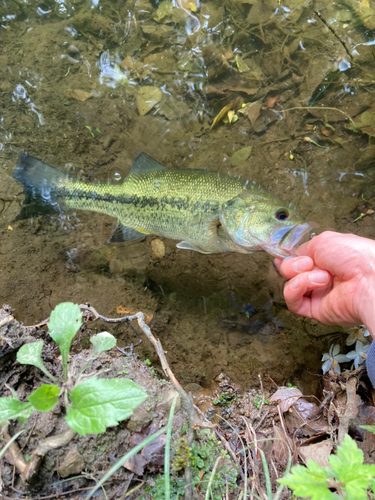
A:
144, 163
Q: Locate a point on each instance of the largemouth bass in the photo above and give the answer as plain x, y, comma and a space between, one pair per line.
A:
209, 212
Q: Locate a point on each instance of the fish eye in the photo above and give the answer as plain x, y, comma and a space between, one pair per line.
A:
282, 214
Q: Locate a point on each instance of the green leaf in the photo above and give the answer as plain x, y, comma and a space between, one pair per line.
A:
308, 482
370, 428
103, 341
100, 403
31, 354
45, 398
240, 156
11, 408
349, 469
64, 323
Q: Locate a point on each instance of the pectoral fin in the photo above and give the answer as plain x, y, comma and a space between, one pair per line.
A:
123, 233
186, 245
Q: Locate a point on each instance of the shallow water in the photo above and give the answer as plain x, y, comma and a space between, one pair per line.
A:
84, 85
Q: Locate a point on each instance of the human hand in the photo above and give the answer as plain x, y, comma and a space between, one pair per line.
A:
332, 280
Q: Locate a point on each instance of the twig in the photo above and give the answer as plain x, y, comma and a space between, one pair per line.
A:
28, 470
351, 410
321, 108
140, 317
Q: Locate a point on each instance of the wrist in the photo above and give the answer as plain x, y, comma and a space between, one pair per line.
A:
367, 310
366, 297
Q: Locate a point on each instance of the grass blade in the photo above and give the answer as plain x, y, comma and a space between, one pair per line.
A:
167, 452
126, 457
266, 475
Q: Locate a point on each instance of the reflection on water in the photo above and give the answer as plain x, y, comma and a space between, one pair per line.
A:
87, 84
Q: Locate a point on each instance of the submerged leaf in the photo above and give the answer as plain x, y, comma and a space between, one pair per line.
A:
146, 99
240, 156
79, 95
241, 65
252, 111
172, 108
164, 9
221, 115
365, 122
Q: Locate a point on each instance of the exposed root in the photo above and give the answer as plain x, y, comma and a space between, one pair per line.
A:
28, 470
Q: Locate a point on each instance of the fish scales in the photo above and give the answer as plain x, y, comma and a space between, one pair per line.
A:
171, 203
210, 212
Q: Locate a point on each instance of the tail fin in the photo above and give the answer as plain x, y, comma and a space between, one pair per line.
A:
41, 183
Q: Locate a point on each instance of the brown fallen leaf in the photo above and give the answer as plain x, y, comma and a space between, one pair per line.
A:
270, 101
319, 452
128, 62
280, 445
245, 90
252, 111
327, 131
287, 397
78, 95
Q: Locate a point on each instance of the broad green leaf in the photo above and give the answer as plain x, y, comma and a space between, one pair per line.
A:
100, 403
31, 354
11, 408
64, 323
370, 428
45, 398
103, 341
349, 469
308, 482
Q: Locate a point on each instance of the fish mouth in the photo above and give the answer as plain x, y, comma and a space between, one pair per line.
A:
285, 239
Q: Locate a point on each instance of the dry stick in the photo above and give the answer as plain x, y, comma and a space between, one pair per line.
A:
28, 470
351, 410
194, 420
321, 108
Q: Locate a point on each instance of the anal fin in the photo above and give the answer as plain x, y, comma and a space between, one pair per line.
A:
186, 245
123, 233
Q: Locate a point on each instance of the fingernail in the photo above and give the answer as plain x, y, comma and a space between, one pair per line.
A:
295, 283
319, 277
301, 265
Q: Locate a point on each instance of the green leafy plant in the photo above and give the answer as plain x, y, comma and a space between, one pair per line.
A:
258, 398
202, 456
225, 399
347, 477
91, 403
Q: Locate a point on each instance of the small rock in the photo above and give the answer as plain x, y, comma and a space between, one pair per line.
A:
166, 403
158, 249
140, 418
72, 464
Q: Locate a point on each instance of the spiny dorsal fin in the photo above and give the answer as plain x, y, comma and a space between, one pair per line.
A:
144, 163
123, 233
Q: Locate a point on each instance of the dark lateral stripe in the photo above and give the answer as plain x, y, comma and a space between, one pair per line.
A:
82, 195
175, 203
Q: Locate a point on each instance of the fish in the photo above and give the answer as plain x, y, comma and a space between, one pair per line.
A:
209, 212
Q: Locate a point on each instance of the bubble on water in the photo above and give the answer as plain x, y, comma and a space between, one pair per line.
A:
117, 176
